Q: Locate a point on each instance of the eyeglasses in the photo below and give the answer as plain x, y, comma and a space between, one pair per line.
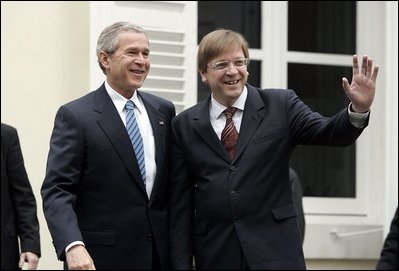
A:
221, 65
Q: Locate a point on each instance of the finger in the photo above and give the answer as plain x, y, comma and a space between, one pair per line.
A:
369, 67
364, 65
32, 265
32, 261
355, 65
345, 84
375, 73
21, 260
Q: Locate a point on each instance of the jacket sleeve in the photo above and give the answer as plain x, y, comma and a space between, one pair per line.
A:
60, 186
22, 197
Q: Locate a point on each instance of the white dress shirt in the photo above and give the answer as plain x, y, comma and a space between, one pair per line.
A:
218, 118
145, 128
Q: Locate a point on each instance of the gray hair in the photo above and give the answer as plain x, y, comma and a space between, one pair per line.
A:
109, 38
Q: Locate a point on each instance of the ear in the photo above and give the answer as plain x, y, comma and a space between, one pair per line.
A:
103, 58
203, 78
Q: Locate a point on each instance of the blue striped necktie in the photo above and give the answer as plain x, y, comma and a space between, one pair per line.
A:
135, 137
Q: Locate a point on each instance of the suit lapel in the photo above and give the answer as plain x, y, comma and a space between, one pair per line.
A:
203, 127
252, 117
112, 125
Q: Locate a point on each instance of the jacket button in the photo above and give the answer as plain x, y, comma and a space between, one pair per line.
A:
232, 168
236, 219
233, 193
149, 237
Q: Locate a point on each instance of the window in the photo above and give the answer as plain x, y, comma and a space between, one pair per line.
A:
325, 171
322, 26
328, 28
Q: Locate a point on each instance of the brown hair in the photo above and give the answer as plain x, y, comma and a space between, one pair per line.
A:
217, 42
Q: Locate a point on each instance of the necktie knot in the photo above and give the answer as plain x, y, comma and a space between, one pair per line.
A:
129, 105
229, 112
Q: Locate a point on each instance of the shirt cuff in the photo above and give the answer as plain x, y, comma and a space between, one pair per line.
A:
73, 244
358, 120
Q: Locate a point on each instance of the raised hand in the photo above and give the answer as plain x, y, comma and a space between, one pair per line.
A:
361, 91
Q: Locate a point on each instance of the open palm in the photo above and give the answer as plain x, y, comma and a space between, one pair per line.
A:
361, 91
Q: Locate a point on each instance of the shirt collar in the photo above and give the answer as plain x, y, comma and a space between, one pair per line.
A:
217, 108
120, 101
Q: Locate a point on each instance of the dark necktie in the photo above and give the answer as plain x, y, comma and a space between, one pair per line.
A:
229, 134
135, 136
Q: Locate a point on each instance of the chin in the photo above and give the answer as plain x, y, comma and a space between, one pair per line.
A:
137, 84
235, 91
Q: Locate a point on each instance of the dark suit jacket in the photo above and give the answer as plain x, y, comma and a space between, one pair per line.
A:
18, 204
297, 195
389, 253
93, 189
244, 203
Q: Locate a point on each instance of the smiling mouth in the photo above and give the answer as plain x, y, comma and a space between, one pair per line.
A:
231, 82
137, 72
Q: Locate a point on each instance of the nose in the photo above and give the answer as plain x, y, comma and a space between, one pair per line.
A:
139, 59
231, 69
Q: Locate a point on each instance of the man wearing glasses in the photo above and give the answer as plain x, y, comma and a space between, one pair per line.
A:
230, 195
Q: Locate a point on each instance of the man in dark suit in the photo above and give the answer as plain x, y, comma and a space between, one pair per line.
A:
230, 200
18, 207
105, 190
389, 253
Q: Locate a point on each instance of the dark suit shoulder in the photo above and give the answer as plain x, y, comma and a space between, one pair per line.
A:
9, 136
268, 95
82, 107
272, 92
275, 97
7, 130
164, 106
81, 101
193, 111
154, 98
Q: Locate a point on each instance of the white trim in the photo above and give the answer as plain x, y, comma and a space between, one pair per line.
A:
319, 58
391, 112
274, 23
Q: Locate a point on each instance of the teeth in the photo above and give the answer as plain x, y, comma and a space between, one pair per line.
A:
232, 82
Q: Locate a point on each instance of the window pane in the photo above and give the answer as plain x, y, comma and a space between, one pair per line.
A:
240, 16
254, 70
324, 171
322, 26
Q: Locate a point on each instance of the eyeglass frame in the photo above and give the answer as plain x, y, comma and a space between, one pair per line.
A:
213, 65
